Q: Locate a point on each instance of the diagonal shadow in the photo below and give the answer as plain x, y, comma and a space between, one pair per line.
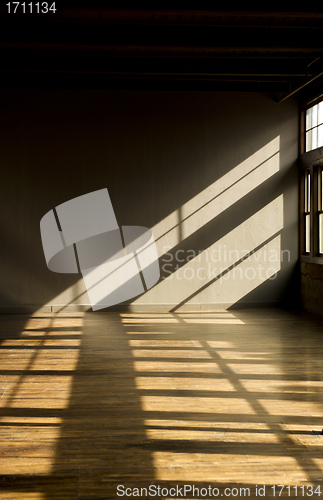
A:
223, 273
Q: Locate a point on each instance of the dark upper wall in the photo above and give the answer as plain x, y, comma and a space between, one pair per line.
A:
154, 151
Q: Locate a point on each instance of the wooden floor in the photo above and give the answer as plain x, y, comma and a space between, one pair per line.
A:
211, 400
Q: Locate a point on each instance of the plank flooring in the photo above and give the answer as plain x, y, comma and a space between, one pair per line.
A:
228, 399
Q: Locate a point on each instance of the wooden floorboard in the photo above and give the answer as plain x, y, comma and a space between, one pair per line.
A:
226, 399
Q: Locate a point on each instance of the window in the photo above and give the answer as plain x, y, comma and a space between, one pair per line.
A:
320, 210
311, 202
312, 212
307, 211
314, 127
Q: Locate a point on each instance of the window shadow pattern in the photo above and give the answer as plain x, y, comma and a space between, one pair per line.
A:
216, 211
98, 400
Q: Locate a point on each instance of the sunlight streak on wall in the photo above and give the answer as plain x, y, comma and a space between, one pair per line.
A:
260, 230
216, 198
189, 284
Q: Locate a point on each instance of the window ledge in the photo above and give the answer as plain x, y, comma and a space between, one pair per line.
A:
312, 260
313, 157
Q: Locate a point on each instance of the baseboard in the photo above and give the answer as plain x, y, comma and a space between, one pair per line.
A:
133, 308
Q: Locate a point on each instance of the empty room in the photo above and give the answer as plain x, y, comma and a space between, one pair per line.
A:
161, 292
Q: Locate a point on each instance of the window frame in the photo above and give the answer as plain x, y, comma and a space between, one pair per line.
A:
307, 214
314, 128
311, 163
319, 210
307, 105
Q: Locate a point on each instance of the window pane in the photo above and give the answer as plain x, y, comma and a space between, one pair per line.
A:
314, 115
307, 233
309, 140
320, 136
309, 118
314, 138
320, 233
319, 189
320, 113
308, 192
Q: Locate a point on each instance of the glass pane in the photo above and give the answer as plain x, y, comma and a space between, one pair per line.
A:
305, 192
309, 118
314, 138
308, 193
320, 113
320, 189
320, 136
314, 115
309, 140
320, 233
307, 233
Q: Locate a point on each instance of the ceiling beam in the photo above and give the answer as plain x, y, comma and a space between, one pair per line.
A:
157, 49
83, 12
300, 87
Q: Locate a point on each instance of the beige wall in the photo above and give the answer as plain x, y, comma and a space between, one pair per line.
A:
213, 174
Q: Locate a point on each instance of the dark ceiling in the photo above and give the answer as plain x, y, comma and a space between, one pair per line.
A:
263, 51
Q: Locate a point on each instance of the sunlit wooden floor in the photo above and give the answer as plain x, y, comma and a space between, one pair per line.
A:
229, 399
